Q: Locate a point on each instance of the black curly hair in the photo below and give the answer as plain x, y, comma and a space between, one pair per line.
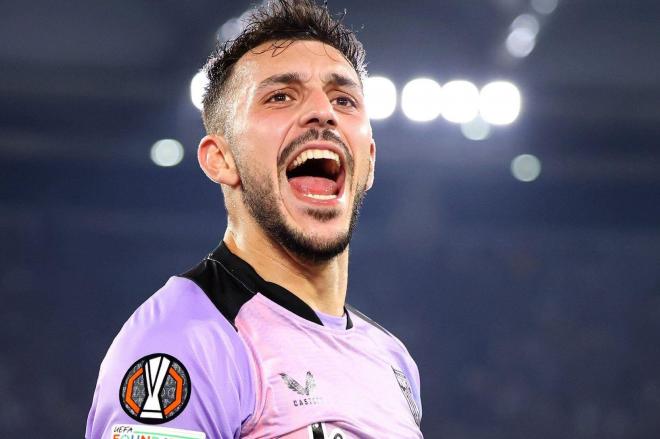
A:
278, 21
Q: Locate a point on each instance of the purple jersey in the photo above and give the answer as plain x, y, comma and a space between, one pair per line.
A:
221, 353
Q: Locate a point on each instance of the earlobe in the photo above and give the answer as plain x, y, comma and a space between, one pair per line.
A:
372, 164
216, 160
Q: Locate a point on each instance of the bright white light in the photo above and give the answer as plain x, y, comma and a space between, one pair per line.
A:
197, 87
233, 27
526, 167
380, 97
459, 101
476, 129
520, 42
526, 21
420, 99
167, 152
499, 103
544, 6
230, 29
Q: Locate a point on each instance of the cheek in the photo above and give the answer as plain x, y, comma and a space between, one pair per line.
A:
361, 141
365, 131
360, 133
272, 126
264, 138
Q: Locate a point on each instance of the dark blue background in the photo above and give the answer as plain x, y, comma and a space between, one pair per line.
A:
533, 309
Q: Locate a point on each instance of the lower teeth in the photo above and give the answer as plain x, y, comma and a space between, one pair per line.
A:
320, 197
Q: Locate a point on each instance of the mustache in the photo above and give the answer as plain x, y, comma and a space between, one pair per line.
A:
314, 134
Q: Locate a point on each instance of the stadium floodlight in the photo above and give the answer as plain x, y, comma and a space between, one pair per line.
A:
476, 129
380, 97
499, 102
544, 6
520, 42
526, 167
230, 29
197, 86
526, 21
459, 101
167, 152
420, 99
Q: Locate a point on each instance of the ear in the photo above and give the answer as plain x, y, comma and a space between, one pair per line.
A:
372, 164
217, 161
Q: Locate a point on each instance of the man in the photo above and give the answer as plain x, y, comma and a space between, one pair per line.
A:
257, 341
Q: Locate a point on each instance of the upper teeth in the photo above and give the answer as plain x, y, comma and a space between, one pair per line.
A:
314, 154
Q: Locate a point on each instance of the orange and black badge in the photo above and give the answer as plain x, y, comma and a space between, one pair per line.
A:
155, 389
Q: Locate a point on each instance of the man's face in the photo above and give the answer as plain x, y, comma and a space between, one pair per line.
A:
303, 145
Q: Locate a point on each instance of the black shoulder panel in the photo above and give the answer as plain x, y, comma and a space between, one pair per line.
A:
230, 282
224, 289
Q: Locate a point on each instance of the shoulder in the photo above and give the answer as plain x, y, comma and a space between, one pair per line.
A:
376, 331
178, 312
179, 327
396, 352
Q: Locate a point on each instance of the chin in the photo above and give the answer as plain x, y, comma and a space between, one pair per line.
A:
319, 235
317, 250
319, 242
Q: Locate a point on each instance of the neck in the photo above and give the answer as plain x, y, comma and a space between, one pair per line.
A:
321, 286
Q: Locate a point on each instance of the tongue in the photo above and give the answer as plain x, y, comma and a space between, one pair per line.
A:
314, 185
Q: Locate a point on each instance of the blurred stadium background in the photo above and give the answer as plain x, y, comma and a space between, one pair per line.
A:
521, 269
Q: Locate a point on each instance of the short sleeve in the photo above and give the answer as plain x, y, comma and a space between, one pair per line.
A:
177, 367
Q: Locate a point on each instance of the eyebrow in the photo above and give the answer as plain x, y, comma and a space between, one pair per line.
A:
295, 77
341, 80
280, 78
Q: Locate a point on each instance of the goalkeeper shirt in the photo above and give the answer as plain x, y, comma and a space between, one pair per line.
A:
219, 352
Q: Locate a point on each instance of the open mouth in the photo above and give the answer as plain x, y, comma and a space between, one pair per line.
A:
316, 174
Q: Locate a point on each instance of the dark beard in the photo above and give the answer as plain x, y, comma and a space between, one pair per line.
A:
259, 198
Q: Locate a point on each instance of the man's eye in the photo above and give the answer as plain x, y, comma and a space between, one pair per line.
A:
345, 101
279, 97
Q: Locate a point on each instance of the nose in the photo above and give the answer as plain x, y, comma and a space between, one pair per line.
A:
318, 111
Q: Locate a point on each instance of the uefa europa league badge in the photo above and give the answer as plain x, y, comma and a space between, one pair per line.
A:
155, 389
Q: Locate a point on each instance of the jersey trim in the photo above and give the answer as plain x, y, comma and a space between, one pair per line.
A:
230, 282
366, 319
225, 291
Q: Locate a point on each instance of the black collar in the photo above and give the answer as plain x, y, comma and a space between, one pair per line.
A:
243, 272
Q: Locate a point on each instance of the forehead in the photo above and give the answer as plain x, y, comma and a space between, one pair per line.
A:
308, 58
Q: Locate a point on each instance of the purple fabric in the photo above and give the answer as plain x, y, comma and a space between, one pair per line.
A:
309, 374
280, 375
181, 321
332, 321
